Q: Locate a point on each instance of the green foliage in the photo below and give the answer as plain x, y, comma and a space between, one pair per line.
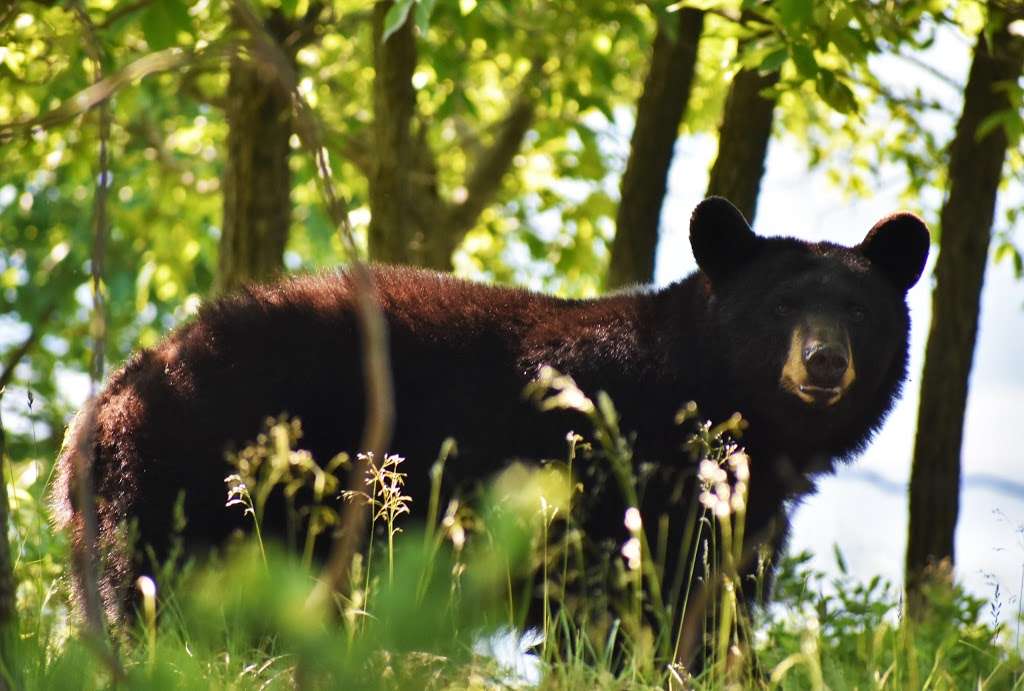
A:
244, 620
244, 624
553, 219
162, 20
861, 640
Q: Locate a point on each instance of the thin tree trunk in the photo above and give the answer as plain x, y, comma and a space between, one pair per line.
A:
395, 233
8, 584
975, 170
743, 141
256, 179
410, 223
659, 112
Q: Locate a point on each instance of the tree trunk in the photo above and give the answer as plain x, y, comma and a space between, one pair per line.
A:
396, 234
658, 115
743, 141
256, 179
975, 170
8, 584
410, 223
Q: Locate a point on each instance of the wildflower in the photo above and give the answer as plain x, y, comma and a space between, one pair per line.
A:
631, 551
708, 500
711, 473
738, 500
146, 586
633, 520
739, 462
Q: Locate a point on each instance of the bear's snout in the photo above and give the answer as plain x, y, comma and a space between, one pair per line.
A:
819, 366
826, 364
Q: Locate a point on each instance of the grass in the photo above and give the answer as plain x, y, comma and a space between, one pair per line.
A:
430, 598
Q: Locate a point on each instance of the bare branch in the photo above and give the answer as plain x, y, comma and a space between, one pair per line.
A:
99, 91
122, 12
485, 179
85, 554
354, 149
18, 354
304, 29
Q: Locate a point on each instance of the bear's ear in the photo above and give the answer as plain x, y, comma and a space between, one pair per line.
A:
720, 237
898, 245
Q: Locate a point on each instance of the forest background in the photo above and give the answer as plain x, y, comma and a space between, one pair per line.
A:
167, 149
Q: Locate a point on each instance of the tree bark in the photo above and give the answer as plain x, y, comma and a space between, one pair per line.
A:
743, 141
396, 231
8, 584
659, 112
410, 222
975, 170
256, 179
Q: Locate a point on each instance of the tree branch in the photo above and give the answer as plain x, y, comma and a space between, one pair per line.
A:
659, 112
355, 149
485, 179
15, 357
160, 61
304, 29
122, 12
189, 86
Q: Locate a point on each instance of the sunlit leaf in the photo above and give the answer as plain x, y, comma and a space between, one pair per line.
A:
162, 20
424, 8
795, 13
774, 60
396, 17
835, 93
803, 58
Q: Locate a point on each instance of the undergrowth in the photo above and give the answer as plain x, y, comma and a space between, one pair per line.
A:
444, 604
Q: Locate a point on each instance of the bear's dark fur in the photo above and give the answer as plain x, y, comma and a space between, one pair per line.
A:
807, 340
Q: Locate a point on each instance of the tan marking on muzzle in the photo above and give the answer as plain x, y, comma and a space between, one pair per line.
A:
794, 377
851, 373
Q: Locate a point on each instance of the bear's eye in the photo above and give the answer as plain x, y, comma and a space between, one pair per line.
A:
783, 309
858, 313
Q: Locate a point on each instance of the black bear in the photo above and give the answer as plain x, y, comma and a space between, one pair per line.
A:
807, 340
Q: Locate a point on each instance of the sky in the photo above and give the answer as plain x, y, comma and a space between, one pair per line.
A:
863, 508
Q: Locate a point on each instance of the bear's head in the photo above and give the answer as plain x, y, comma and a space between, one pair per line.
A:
814, 336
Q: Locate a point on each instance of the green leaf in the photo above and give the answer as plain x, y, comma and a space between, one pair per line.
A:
395, 18
803, 58
835, 93
1006, 118
840, 562
1007, 252
773, 61
424, 8
795, 13
162, 21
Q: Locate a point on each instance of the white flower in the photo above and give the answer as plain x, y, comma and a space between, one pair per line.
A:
633, 521
146, 586
740, 464
723, 491
710, 473
708, 500
631, 551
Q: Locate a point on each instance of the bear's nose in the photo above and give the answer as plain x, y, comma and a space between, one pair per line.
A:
825, 364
